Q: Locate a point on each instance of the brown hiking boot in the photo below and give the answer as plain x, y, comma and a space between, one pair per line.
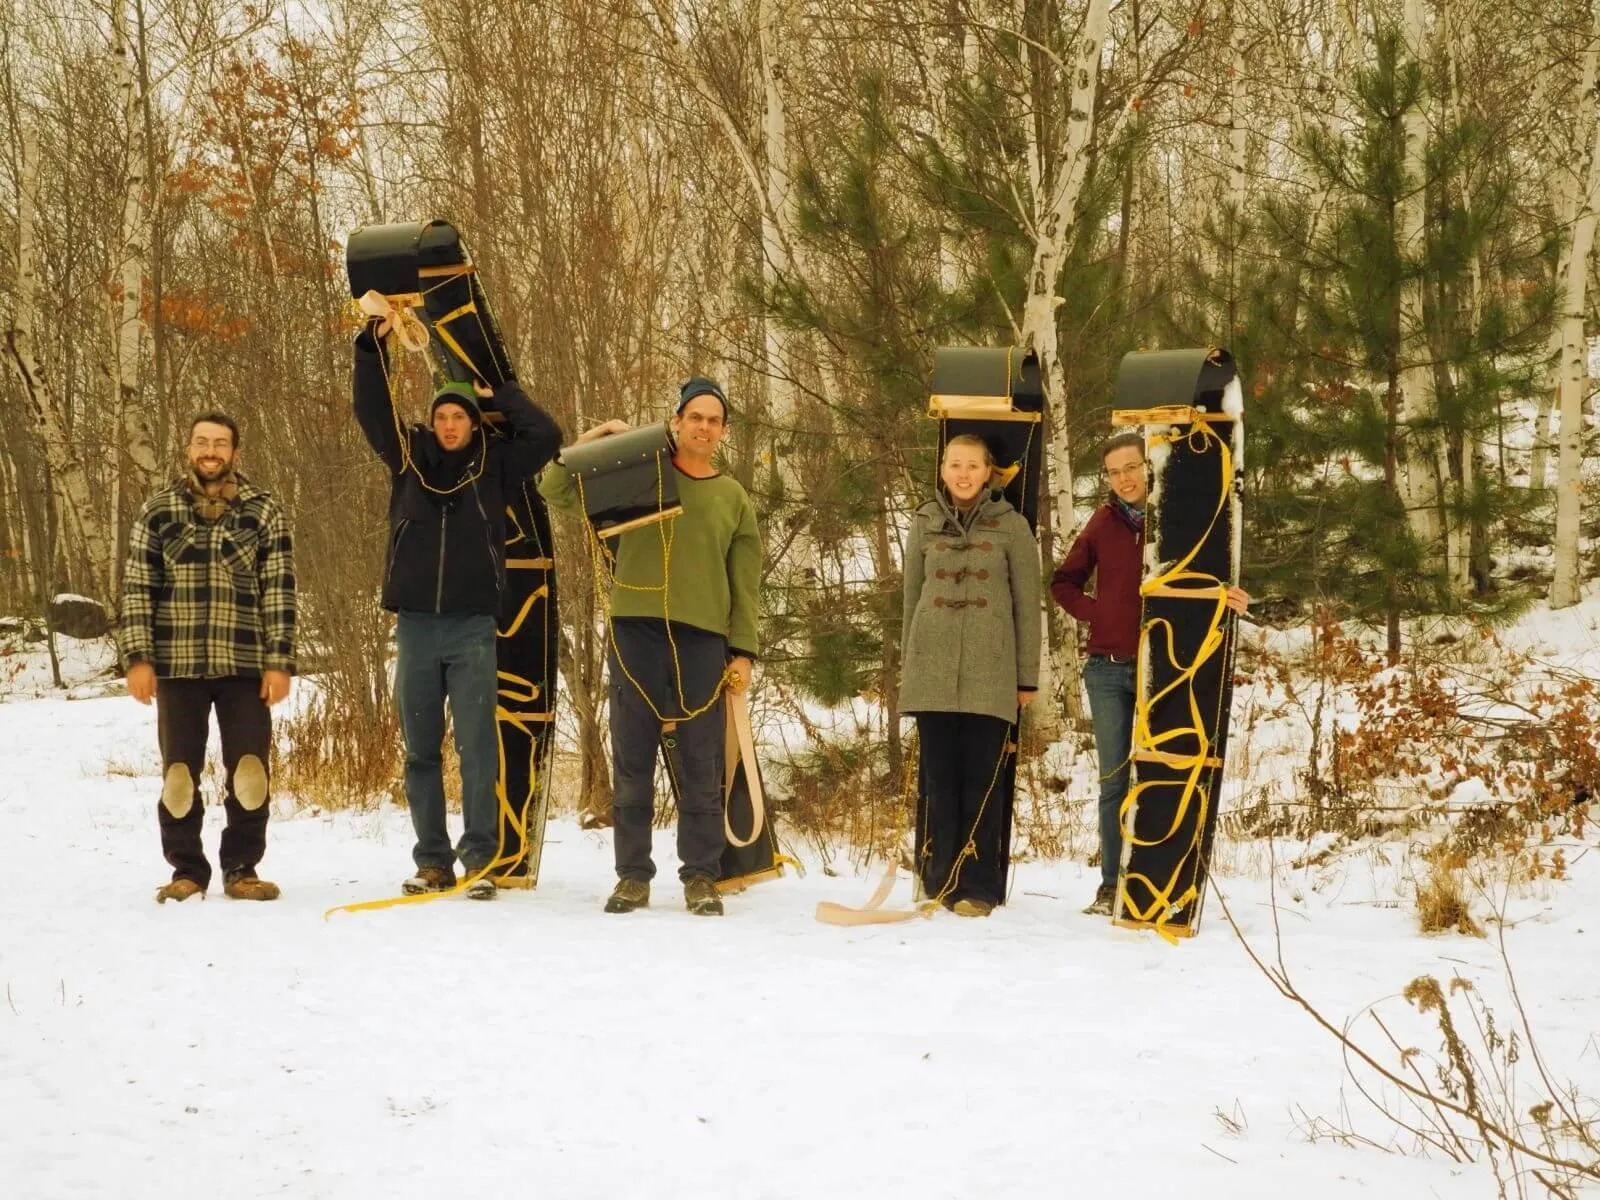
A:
970, 907
1105, 896
628, 895
430, 879
242, 885
179, 889
700, 896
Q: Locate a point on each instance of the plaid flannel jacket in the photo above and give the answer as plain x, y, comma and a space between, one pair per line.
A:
209, 599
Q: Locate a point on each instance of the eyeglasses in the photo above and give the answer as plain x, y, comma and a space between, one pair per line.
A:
211, 443
1125, 472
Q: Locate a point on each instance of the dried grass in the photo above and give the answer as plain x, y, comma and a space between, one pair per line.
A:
1443, 902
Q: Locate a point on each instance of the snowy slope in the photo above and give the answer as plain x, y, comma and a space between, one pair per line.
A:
537, 1046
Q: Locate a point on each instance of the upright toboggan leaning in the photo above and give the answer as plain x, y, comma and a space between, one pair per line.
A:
1190, 406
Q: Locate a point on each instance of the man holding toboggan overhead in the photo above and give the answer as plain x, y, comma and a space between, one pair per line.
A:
468, 568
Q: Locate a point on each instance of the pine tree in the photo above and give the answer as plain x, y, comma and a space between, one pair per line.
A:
1322, 349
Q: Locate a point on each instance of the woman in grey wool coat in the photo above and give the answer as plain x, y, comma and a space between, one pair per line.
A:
971, 660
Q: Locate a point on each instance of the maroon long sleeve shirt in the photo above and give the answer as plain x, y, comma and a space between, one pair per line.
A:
1111, 551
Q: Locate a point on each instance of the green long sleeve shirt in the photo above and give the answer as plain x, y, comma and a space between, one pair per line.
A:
709, 555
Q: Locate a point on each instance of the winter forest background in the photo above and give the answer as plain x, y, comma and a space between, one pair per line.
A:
1386, 209
1386, 212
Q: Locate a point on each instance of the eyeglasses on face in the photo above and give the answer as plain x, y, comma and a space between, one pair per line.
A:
1125, 472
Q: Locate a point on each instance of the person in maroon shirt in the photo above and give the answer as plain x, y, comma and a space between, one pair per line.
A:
1110, 549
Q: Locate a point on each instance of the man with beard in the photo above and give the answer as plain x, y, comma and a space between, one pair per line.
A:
207, 623
1111, 549
673, 636
443, 578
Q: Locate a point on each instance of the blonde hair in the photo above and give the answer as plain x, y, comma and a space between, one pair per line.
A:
972, 439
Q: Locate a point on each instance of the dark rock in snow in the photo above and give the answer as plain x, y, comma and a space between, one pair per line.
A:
79, 617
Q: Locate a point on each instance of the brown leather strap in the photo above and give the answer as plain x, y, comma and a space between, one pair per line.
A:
739, 739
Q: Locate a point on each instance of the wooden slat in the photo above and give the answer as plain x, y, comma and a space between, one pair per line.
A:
978, 408
638, 522
1169, 414
1182, 761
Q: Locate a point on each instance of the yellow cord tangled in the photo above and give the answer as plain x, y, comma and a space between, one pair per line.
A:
406, 324
1149, 746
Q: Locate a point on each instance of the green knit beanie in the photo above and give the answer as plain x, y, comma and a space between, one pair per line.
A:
458, 393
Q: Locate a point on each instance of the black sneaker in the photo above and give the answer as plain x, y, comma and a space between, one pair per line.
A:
1105, 897
700, 896
628, 895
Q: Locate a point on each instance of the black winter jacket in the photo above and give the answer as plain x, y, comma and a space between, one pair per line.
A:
447, 509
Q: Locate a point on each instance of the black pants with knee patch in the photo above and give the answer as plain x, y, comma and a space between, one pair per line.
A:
183, 721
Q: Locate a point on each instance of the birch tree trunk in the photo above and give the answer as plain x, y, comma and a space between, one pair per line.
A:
777, 227
1238, 146
1574, 383
44, 411
1418, 470
1459, 447
766, 168
1539, 460
944, 57
156, 326
133, 418
1565, 185
1055, 204
1567, 179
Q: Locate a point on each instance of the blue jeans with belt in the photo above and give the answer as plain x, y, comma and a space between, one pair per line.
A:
1110, 685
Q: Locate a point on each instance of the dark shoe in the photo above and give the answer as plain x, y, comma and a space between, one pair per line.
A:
1105, 896
243, 885
430, 879
970, 906
628, 895
700, 897
179, 889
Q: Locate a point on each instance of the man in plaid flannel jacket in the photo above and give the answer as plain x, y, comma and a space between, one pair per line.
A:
207, 623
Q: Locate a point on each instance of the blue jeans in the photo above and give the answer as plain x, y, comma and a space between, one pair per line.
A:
451, 655
1111, 691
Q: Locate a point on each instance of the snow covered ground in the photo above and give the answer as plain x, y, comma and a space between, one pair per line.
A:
537, 1046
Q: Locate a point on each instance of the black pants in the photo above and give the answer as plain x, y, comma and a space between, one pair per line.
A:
965, 799
183, 721
694, 749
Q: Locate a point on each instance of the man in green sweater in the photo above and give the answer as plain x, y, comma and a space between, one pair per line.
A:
683, 615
